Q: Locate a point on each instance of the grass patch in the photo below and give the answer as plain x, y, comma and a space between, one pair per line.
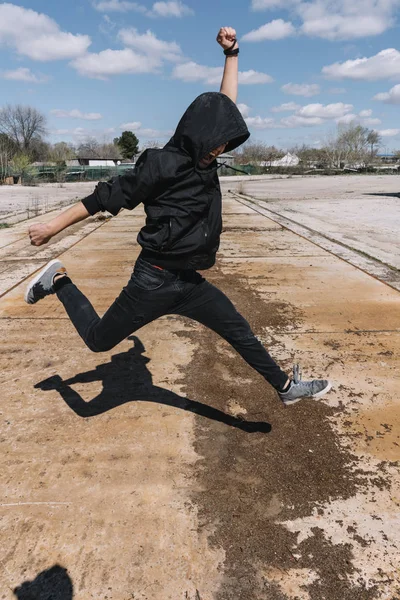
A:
5, 225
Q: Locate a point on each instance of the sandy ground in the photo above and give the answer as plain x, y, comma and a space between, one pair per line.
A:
166, 469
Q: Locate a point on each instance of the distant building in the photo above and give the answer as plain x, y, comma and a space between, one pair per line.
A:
388, 158
93, 162
289, 160
227, 159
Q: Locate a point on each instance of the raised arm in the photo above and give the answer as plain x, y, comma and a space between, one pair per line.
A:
229, 85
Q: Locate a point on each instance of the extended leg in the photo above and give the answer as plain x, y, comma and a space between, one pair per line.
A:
209, 306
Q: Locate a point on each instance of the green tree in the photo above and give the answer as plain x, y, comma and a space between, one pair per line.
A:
128, 143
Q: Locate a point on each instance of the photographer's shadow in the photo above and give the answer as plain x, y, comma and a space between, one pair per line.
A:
51, 584
127, 379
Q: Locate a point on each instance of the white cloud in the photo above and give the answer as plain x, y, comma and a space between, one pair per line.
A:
253, 77
301, 89
159, 9
346, 119
149, 44
79, 134
119, 6
345, 27
244, 109
38, 36
192, 72
365, 113
366, 121
285, 107
327, 111
133, 126
275, 30
267, 4
146, 132
300, 121
389, 132
24, 74
384, 65
114, 62
171, 9
371, 122
75, 114
310, 115
390, 97
339, 20
260, 123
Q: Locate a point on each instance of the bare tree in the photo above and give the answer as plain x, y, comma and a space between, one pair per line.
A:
256, 152
374, 140
7, 151
22, 125
351, 146
91, 148
110, 150
61, 152
310, 157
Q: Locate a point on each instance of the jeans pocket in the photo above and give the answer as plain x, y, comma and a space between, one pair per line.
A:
147, 281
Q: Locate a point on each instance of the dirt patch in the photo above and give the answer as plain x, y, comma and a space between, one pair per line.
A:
252, 482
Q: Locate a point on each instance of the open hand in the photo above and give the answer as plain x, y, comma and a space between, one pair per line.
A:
225, 37
39, 234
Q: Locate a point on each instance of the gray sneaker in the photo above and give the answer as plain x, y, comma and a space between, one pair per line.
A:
42, 284
304, 389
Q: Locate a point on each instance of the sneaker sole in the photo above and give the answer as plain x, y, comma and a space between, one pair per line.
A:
318, 395
37, 277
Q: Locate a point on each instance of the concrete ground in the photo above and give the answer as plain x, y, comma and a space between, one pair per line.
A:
360, 211
18, 202
134, 474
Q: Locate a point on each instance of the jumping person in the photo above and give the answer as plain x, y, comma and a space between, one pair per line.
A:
179, 188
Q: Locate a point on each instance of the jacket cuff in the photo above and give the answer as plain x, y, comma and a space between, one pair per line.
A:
91, 203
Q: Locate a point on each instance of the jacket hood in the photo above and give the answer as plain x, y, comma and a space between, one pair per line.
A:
211, 120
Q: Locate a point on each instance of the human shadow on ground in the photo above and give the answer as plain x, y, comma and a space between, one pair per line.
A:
126, 379
52, 584
389, 194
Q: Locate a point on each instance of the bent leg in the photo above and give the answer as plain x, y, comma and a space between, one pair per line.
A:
100, 334
209, 306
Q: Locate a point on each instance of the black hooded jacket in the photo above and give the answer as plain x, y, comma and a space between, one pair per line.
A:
181, 200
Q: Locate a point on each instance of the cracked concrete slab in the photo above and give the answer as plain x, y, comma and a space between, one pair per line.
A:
127, 469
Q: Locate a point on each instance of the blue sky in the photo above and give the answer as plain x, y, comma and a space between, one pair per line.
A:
97, 67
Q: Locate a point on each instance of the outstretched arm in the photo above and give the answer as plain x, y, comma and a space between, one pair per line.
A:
41, 233
229, 84
125, 191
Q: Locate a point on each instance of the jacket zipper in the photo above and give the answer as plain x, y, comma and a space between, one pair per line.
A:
205, 232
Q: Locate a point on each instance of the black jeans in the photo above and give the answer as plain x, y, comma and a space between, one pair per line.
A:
152, 293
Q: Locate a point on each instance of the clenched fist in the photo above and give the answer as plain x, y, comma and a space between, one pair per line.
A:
225, 37
39, 234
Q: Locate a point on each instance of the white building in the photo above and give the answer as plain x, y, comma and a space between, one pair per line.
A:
289, 160
93, 162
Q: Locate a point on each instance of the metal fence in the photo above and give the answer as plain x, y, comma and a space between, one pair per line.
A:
60, 174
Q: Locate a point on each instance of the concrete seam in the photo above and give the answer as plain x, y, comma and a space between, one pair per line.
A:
249, 201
